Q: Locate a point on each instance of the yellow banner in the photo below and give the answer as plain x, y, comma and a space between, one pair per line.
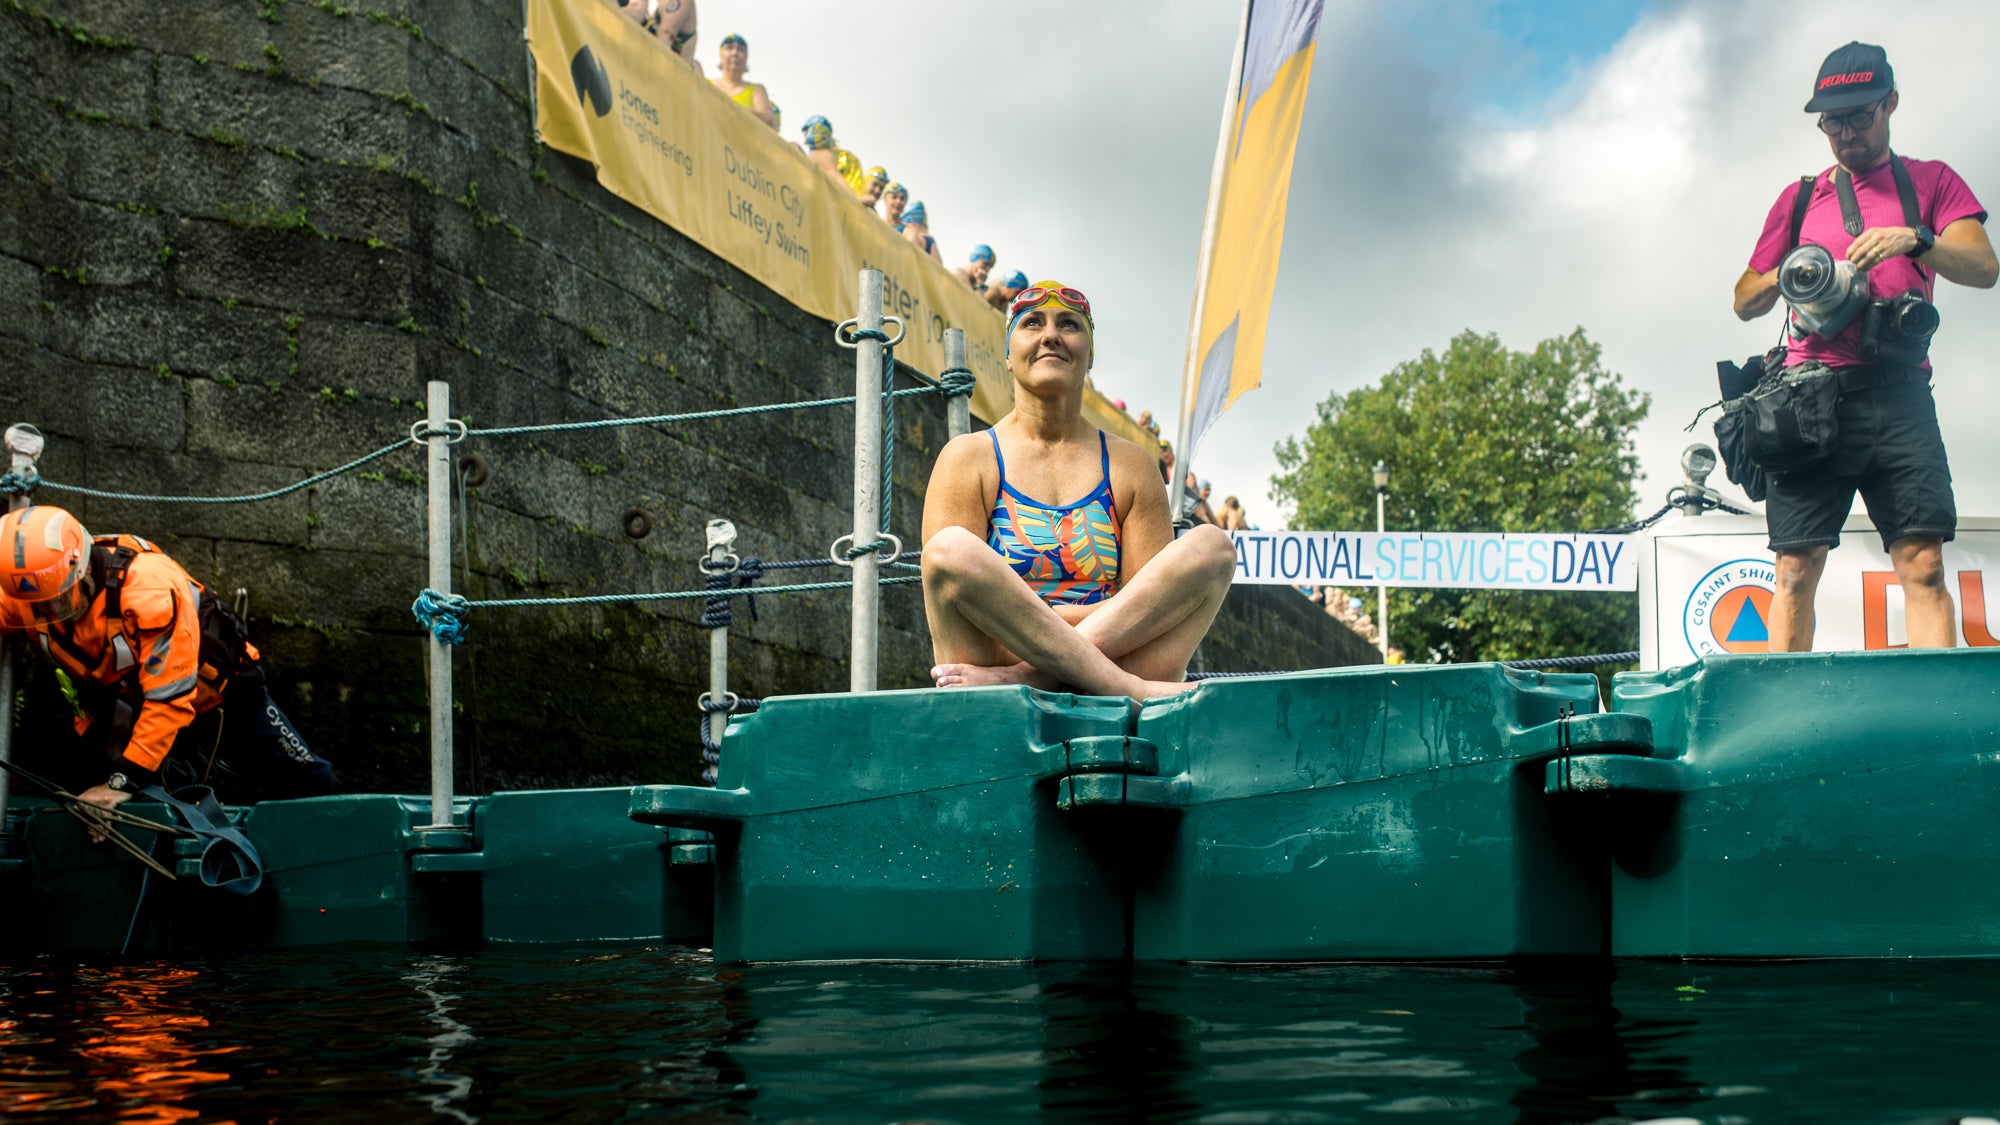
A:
666, 141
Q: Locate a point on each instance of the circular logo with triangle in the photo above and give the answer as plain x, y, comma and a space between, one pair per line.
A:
1730, 608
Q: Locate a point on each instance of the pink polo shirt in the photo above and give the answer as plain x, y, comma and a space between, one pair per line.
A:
1942, 199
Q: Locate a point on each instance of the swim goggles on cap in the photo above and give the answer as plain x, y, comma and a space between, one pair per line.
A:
896, 189
877, 175
1044, 293
732, 37
982, 253
915, 214
818, 132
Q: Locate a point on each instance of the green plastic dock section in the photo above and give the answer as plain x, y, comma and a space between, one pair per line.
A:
1377, 813
1809, 805
532, 866
912, 825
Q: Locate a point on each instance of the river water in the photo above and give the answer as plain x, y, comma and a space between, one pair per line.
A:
642, 1033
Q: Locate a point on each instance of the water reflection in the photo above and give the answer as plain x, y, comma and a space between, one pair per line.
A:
387, 1037
120, 1036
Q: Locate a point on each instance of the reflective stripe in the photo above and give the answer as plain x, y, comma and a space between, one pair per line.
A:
121, 650
142, 543
20, 548
44, 638
161, 646
52, 530
173, 690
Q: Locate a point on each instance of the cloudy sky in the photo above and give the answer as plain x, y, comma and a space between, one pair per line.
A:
1508, 166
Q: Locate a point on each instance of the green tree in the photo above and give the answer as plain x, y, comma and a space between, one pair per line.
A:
1481, 438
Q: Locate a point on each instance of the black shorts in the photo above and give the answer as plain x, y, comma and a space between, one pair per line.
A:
1890, 450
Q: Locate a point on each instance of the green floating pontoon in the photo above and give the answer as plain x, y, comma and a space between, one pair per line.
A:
915, 826
1340, 814
1808, 805
1376, 813
531, 866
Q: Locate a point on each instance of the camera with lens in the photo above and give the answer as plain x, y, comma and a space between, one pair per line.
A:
1827, 294
1898, 329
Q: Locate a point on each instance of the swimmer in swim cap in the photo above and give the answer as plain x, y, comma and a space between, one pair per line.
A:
975, 270
1049, 556
733, 63
917, 228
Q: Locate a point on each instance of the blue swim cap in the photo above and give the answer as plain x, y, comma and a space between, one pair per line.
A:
732, 37
982, 253
914, 213
818, 132
1016, 280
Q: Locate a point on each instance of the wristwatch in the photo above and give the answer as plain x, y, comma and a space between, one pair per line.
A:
1926, 237
118, 781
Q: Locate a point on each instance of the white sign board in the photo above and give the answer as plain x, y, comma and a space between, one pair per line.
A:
1464, 560
1707, 584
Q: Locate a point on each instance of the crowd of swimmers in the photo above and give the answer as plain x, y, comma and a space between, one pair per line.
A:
673, 23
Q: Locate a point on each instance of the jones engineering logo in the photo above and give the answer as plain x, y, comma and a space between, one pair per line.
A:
1730, 608
593, 85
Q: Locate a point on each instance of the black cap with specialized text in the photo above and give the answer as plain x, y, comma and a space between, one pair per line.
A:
1851, 76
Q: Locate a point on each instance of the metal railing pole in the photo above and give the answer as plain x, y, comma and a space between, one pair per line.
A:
24, 446
721, 550
957, 408
1382, 592
438, 466
868, 499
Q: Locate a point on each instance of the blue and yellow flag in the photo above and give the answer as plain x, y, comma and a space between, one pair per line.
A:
1246, 212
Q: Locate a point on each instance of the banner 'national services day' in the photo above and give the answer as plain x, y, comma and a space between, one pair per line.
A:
1462, 560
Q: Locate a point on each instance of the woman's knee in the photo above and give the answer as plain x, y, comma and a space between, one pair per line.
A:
1212, 550
953, 552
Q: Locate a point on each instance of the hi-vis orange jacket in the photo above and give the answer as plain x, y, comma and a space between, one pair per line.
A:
149, 654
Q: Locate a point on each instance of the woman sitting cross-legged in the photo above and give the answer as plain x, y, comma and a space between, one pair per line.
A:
1049, 557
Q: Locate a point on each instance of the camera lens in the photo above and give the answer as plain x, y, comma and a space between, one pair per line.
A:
1917, 319
1806, 275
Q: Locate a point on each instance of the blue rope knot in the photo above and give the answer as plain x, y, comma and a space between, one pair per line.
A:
20, 483
957, 383
857, 334
442, 614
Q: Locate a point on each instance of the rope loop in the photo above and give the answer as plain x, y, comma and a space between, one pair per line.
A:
730, 701
849, 333
729, 564
956, 382
847, 557
442, 614
20, 484
454, 431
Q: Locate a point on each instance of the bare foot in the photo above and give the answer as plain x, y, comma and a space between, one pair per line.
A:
1155, 689
974, 675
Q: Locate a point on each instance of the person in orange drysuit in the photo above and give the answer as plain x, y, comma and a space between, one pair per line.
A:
147, 649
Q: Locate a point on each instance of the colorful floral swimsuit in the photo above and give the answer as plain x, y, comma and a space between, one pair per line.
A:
1068, 553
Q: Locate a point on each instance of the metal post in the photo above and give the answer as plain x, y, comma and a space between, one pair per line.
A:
957, 408
24, 446
867, 484
1381, 592
721, 556
438, 463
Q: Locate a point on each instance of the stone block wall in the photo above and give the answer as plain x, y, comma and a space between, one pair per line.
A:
238, 238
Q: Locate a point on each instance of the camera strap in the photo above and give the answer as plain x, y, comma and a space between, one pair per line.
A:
1850, 208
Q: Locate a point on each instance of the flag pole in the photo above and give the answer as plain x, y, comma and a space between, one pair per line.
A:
1191, 368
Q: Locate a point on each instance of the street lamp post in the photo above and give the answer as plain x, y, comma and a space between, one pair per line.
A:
1381, 472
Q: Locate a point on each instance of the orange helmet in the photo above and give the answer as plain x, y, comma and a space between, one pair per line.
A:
44, 555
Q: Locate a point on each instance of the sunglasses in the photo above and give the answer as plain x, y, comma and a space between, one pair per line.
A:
1029, 298
1835, 123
